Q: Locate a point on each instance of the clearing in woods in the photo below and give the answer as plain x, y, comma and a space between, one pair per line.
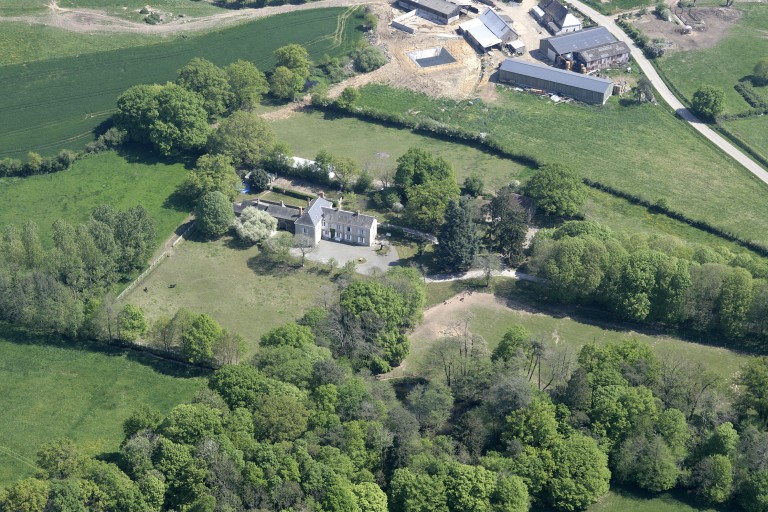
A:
491, 316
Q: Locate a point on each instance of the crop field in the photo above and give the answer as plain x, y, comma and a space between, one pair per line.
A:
636, 148
377, 147
129, 8
20, 42
230, 284
107, 178
50, 390
54, 104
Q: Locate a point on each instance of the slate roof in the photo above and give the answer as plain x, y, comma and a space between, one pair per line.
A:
333, 216
581, 40
279, 212
604, 52
314, 212
555, 10
560, 76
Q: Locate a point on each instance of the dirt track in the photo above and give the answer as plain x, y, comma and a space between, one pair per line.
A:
92, 21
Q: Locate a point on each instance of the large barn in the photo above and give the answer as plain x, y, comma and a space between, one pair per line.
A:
437, 11
538, 76
585, 51
489, 30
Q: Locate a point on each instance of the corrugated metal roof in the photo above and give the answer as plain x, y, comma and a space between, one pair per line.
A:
604, 52
555, 9
581, 40
480, 33
560, 76
496, 24
441, 6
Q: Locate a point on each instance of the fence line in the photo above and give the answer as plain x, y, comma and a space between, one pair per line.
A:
155, 263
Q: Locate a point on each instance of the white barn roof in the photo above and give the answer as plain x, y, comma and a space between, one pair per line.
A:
480, 33
496, 24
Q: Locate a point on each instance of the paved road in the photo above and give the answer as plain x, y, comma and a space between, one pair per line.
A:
670, 98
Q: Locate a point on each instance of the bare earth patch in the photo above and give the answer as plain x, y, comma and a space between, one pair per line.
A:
717, 21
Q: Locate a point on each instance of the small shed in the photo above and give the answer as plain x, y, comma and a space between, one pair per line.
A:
516, 47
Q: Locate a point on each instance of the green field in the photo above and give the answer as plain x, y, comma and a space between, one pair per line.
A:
616, 6
377, 147
621, 501
21, 43
729, 62
228, 283
126, 8
49, 390
54, 104
725, 64
640, 149
107, 178
556, 329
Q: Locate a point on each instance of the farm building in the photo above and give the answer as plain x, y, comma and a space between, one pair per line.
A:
538, 76
438, 11
286, 215
594, 48
489, 30
554, 16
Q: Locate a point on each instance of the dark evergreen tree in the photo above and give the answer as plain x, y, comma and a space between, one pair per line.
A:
509, 225
457, 239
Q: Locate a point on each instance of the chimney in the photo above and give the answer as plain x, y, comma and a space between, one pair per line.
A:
309, 202
322, 194
339, 202
301, 211
357, 212
282, 204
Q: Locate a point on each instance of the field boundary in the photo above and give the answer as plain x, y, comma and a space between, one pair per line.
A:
165, 254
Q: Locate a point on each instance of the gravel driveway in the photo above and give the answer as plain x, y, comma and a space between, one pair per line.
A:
366, 257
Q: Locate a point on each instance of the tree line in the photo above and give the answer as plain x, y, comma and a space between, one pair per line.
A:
654, 280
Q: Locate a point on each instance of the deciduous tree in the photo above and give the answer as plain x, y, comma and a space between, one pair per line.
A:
254, 225
214, 214
557, 189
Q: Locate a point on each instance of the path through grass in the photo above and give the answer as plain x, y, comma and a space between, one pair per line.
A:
50, 390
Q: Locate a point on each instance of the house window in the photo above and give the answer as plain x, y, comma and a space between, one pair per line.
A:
338, 227
349, 237
362, 231
360, 240
323, 222
304, 230
349, 229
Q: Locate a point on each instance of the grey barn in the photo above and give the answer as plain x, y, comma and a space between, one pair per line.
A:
438, 11
585, 51
538, 76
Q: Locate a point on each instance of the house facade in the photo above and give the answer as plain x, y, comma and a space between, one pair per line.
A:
556, 18
348, 227
538, 76
585, 51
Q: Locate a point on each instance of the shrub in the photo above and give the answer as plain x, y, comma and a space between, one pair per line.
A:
259, 179
708, 101
369, 59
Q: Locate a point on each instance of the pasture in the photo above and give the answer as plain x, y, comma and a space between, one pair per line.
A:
377, 147
54, 104
232, 285
491, 315
616, 6
753, 131
624, 501
641, 149
729, 62
122, 181
49, 389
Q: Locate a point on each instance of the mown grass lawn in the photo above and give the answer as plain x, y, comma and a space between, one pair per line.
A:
640, 149
120, 180
229, 283
21, 7
624, 501
54, 104
50, 390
